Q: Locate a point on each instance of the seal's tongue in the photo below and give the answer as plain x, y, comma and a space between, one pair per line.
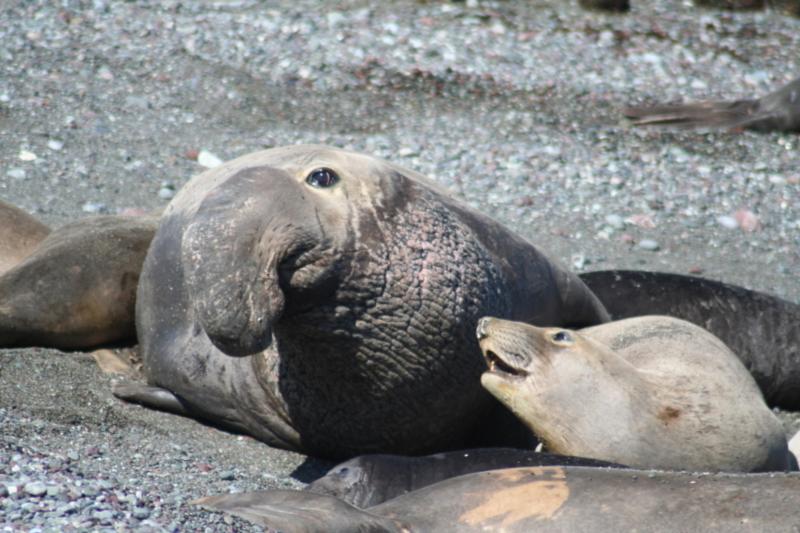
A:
231, 254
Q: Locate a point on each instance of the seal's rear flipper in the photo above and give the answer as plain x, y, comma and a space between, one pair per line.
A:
153, 397
777, 111
298, 511
702, 115
763, 330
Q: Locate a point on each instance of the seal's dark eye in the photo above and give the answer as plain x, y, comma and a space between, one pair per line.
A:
322, 177
562, 336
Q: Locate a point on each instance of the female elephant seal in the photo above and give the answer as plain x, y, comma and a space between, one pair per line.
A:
325, 301
649, 392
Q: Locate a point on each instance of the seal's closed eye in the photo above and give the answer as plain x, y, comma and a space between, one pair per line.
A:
322, 178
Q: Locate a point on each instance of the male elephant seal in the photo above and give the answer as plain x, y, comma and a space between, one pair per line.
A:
325, 301
777, 111
543, 499
648, 392
368, 480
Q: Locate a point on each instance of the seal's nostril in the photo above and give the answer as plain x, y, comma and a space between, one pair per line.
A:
481, 329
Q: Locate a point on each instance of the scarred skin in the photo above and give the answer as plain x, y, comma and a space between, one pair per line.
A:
338, 320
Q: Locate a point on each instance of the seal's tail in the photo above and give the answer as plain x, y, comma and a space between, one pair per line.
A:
763, 330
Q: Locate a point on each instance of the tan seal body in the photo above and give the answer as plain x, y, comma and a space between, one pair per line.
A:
543, 499
20, 234
325, 301
77, 287
648, 392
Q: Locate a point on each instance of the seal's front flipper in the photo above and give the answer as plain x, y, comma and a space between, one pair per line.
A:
763, 330
298, 512
77, 289
153, 397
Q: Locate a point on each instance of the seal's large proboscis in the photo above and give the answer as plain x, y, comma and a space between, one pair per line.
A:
761, 329
649, 392
543, 499
325, 301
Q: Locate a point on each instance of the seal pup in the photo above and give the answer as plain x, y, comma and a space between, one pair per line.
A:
777, 111
542, 499
77, 287
649, 392
20, 234
761, 329
308, 296
368, 480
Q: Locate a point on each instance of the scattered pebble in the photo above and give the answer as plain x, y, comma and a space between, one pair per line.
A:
208, 160
615, 221
727, 222
55, 145
16, 173
94, 207
26, 155
747, 220
649, 245
35, 488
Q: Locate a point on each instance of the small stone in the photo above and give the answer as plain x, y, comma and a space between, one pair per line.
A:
35, 488
727, 222
16, 173
208, 160
579, 261
649, 245
747, 220
103, 516
94, 208
141, 513
26, 155
615, 221
227, 475
166, 193
3, 491
55, 145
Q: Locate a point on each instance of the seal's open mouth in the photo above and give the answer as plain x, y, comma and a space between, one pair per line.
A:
499, 366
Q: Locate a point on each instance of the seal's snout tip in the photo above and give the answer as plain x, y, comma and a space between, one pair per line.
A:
481, 331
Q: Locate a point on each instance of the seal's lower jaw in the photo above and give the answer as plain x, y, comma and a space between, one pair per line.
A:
500, 367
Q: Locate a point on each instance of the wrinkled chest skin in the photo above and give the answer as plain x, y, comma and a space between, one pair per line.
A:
376, 355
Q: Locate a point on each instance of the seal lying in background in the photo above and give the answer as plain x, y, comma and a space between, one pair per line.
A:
542, 499
372, 479
77, 287
648, 392
20, 234
777, 111
308, 296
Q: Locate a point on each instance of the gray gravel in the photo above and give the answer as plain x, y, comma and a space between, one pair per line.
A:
109, 107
